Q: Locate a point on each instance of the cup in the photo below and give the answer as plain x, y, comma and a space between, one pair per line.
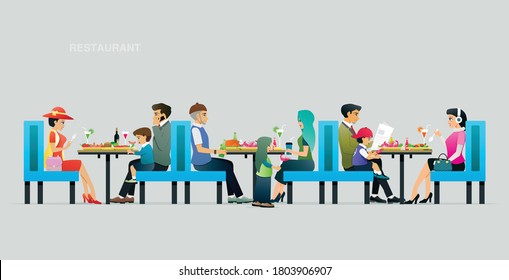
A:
289, 146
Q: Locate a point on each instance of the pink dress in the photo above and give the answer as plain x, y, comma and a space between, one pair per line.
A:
456, 138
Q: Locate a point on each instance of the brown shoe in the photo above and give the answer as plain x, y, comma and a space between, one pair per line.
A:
256, 204
129, 199
118, 199
267, 205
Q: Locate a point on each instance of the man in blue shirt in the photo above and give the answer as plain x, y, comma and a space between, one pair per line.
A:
202, 159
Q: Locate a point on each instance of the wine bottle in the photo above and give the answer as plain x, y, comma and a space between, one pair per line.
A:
116, 137
235, 136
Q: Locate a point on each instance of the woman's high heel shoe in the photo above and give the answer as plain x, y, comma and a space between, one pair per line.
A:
92, 200
276, 199
427, 199
413, 201
282, 197
85, 198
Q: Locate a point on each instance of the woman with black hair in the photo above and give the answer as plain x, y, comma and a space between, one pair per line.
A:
57, 143
454, 144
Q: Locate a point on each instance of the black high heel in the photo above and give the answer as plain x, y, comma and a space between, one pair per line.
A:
276, 199
427, 198
413, 201
282, 197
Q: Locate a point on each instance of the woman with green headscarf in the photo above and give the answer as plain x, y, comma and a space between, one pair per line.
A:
305, 160
264, 173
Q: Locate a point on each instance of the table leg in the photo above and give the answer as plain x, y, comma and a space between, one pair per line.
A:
402, 178
108, 179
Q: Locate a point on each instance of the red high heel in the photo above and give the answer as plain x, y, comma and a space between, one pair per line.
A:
92, 200
86, 199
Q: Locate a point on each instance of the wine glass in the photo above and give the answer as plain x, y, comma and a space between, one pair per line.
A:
424, 132
125, 133
87, 134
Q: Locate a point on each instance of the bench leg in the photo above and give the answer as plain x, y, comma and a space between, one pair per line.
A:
366, 192
481, 192
187, 192
289, 200
469, 192
39, 192
437, 192
219, 197
334, 192
72, 192
173, 192
27, 192
321, 198
142, 192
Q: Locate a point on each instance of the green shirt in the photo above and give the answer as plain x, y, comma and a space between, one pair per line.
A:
265, 169
347, 144
301, 142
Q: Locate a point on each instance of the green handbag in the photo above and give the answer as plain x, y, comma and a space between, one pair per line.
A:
442, 164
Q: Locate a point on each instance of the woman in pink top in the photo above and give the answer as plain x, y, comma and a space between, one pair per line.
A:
454, 145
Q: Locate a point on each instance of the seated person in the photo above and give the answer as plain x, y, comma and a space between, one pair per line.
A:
146, 161
361, 157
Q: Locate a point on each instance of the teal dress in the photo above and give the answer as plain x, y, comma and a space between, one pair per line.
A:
305, 163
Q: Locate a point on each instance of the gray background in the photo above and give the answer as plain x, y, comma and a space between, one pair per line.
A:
254, 65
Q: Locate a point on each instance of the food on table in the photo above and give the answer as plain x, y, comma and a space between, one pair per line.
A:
394, 144
249, 144
232, 143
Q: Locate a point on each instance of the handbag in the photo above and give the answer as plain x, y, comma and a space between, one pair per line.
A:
54, 164
442, 164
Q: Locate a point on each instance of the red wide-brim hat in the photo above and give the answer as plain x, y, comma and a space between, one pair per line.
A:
58, 113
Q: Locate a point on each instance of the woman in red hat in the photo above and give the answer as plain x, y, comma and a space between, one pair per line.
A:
57, 144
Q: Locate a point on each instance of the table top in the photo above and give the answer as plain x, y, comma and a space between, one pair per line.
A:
250, 151
103, 151
410, 151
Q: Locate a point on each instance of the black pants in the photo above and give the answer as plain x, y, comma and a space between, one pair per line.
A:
219, 164
376, 182
128, 188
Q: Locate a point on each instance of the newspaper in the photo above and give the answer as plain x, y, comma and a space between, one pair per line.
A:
383, 134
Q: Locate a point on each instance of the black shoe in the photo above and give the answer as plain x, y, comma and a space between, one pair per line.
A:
377, 199
282, 197
427, 199
413, 201
276, 199
395, 199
